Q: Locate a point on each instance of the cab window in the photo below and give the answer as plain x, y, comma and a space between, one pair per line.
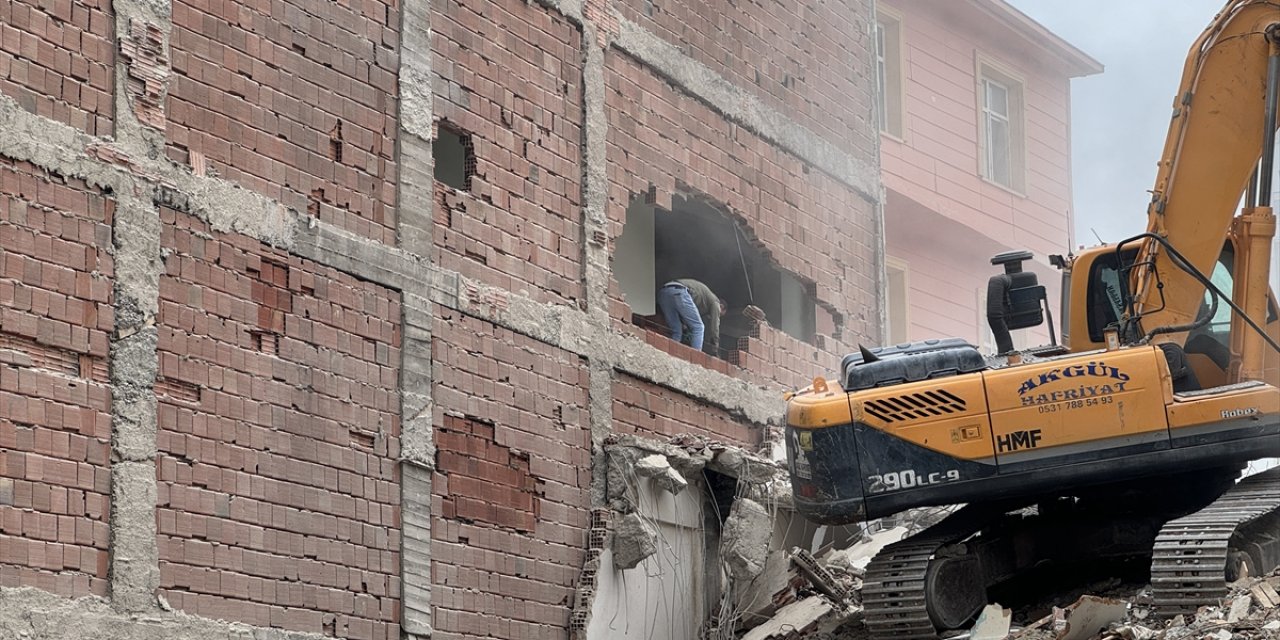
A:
1219, 326
1107, 284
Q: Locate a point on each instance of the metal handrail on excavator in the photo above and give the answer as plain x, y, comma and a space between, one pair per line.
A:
1132, 316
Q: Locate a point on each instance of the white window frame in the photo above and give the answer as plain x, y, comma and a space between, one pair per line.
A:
989, 72
889, 57
897, 307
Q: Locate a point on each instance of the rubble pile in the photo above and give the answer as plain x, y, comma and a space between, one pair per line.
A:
1250, 612
821, 610
784, 579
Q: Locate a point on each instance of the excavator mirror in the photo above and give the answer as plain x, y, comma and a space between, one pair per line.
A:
1015, 298
1026, 307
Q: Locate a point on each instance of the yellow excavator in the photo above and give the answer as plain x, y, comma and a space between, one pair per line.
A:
1124, 439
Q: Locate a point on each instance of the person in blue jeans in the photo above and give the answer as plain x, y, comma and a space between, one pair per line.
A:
690, 307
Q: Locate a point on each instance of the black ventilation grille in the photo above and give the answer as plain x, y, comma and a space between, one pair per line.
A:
910, 406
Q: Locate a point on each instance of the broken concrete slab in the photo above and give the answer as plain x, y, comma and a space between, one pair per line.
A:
1239, 608
1136, 632
857, 557
760, 598
1266, 595
744, 466
791, 620
993, 623
1091, 614
657, 468
634, 539
619, 478
744, 543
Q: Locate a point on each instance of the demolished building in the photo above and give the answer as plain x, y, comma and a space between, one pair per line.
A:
337, 319
317, 317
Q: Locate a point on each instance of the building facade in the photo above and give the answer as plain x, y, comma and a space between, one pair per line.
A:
319, 319
976, 152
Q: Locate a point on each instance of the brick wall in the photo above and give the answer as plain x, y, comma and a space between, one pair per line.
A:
809, 223
807, 60
792, 363
55, 315
278, 437
295, 100
56, 60
511, 488
511, 78
278, 393
652, 411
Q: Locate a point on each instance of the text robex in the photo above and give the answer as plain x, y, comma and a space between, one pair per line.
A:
1239, 413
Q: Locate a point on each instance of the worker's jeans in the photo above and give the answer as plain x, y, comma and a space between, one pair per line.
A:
679, 312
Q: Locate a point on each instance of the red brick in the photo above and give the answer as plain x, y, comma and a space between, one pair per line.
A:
282, 118
57, 68
264, 464
47, 464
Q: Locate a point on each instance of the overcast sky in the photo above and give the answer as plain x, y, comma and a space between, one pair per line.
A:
1120, 117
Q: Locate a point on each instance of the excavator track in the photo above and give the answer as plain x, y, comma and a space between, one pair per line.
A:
1190, 557
893, 591
897, 582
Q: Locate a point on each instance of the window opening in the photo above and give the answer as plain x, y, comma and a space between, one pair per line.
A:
896, 302
996, 112
888, 30
454, 156
1001, 105
695, 239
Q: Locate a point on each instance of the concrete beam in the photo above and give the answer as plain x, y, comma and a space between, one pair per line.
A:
32, 614
742, 107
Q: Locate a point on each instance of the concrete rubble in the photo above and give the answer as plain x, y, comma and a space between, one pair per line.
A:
992, 624
634, 539
781, 591
1248, 612
657, 468
745, 539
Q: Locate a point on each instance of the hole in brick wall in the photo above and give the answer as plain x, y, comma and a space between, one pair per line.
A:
454, 156
335, 142
178, 390
42, 356
314, 202
700, 240
363, 439
266, 342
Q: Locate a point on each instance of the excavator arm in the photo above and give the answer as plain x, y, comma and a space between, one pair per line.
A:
1216, 137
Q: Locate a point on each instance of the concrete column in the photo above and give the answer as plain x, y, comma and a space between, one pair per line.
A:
134, 568
414, 219
141, 86
595, 218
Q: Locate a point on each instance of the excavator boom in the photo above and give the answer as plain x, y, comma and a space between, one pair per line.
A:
1217, 133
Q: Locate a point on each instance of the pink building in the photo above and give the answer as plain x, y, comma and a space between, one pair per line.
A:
976, 157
